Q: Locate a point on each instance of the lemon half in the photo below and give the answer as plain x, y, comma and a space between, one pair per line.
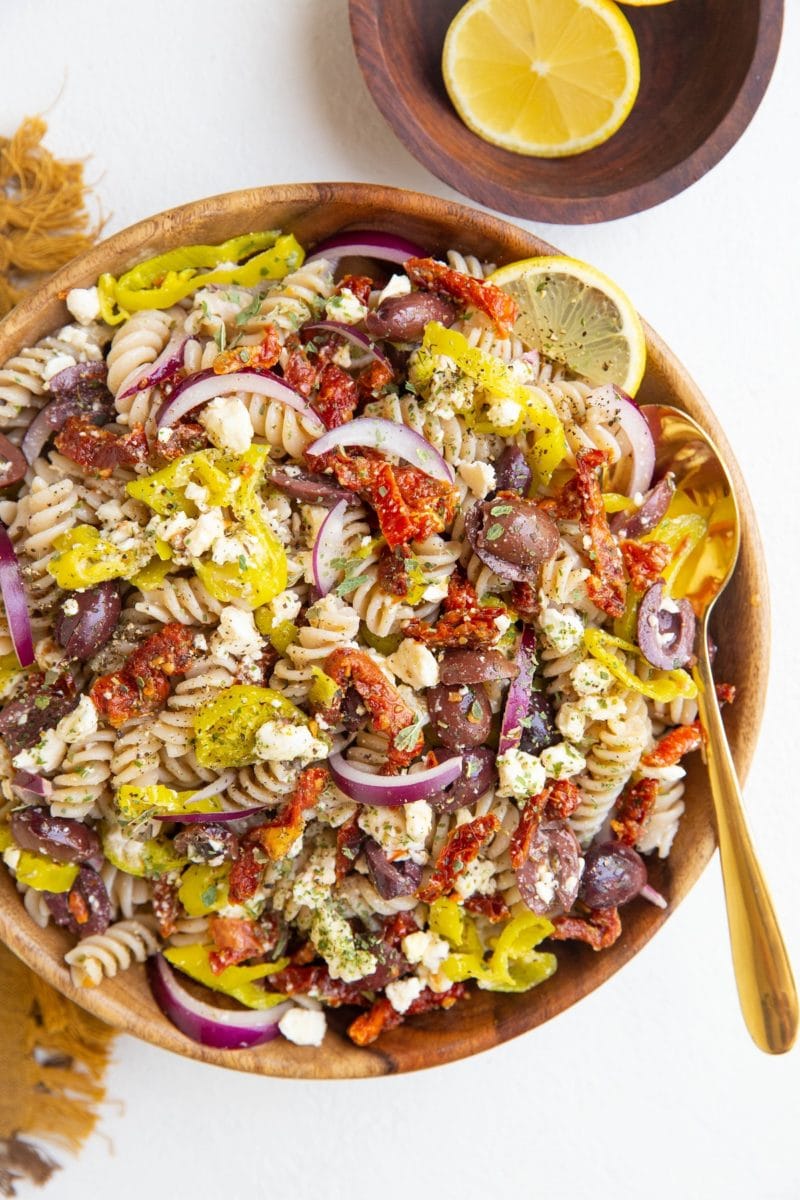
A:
577, 316
541, 77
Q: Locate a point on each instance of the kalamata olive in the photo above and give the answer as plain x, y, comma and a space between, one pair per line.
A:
461, 716
85, 909
354, 713
641, 520
549, 880
539, 726
39, 704
391, 965
512, 471
478, 773
475, 666
207, 843
391, 879
77, 389
613, 875
63, 839
13, 463
403, 318
665, 629
86, 620
309, 488
512, 536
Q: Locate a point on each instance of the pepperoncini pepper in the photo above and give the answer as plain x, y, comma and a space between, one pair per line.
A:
204, 889
225, 728
494, 381
84, 558
133, 802
663, 686
36, 871
238, 982
514, 964
164, 280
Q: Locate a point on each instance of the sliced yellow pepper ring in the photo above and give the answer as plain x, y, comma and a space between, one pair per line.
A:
614, 502
164, 280
10, 674
663, 686
323, 690
145, 860
163, 491
238, 982
133, 802
225, 728
84, 558
204, 889
514, 964
494, 379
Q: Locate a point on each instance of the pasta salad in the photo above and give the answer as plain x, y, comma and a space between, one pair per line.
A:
346, 649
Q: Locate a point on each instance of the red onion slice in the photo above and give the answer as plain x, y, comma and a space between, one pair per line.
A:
354, 336
28, 785
327, 547
222, 1028
390, 438
168, 363
650, 893
15, 601
389, 791
77, 389
518, 701
205, 385
637, 433
213, 818
367, 243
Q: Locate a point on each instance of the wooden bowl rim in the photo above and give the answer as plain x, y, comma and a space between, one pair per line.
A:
24, 938
523, 202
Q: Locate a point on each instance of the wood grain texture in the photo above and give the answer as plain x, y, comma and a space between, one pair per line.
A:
705, 67
314, 211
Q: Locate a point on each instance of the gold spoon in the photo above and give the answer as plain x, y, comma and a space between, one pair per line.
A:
767, 992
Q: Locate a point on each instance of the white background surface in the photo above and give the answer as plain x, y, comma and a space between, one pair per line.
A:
650, 1087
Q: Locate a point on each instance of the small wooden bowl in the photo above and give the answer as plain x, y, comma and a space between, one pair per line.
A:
313, 211
705, 67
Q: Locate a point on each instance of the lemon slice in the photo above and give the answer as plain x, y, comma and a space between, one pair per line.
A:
541, 77
576, 315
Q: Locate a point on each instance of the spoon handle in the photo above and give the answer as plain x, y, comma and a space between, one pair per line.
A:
767, 992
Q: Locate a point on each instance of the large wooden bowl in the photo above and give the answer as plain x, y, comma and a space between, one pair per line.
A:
313, 211
705, 65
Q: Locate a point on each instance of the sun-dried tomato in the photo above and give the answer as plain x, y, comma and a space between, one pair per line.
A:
300, 373
529, 819
398, 926
349, 666
349, 839
599, 929
181, 439
337, 398
276, 837
525, 601
464, 622
305, 953
359, 285
393, 571
316, 981
410, 504
726, 692
78, 907
462, 847
564, 798
670, 749
235, 941
582, 496
382, 1017
99, 451
494, 908
432, 276
373, 379
261, 356
633, 808
142, 685
644, 562
245, 876
166, 905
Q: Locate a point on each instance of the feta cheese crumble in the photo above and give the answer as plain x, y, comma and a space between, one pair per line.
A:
227, 423
282, 740
521, 774
562, 761
563, 630
479, 477
402, 993
303, 1026
414, 663
84, 304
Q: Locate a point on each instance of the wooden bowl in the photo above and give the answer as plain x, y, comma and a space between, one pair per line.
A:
705, 67
313, 211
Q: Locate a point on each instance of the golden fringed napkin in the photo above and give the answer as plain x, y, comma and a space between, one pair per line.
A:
52, 1054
